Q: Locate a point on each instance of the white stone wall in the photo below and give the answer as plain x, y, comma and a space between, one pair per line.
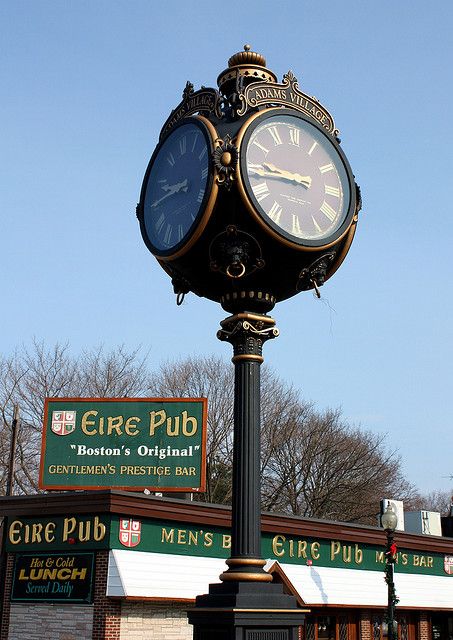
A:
145, 620
50, 622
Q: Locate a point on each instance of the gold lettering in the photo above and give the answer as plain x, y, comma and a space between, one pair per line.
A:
49, 531
99, 529
14, 532
347, 553
168, 536
314, 550
182, 533
84, 531
335, 549
277, 544
157, 418
69, 526
186, 421
358, 554
193, 538
36, 534
131, 427
380, 556
88, 423
79, 573
114, 423
302, 549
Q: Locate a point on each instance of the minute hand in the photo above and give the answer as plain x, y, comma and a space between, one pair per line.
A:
288, 175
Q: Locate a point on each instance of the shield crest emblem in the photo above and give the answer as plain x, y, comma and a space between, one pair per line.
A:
63, 422
448, 565
130, 532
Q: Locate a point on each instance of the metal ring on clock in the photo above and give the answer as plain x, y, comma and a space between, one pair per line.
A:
234, 265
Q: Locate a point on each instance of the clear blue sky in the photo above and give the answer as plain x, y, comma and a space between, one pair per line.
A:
85, 87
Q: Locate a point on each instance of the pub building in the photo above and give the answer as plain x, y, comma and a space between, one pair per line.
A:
111, 565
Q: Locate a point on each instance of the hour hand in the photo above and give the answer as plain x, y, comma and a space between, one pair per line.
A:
288, 175
171, 189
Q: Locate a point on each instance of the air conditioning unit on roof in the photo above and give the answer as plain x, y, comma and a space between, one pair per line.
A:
425, 522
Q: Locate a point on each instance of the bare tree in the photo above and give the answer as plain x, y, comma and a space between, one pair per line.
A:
440, 501
211, 378
32, 374
321, 467
313, 463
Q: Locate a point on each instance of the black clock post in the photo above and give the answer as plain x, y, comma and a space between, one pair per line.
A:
248, 199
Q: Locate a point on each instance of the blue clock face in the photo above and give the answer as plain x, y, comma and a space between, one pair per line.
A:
176, 188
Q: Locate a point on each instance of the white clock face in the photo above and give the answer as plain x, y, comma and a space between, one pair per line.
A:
295, 178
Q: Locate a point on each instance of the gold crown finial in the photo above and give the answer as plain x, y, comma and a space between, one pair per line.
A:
247, 57
247, 65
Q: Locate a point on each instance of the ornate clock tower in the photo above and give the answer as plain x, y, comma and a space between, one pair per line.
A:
248, 199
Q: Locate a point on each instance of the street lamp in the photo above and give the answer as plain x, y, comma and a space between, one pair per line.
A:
389, 520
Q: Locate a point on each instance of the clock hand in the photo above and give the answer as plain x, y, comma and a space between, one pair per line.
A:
288, 175
274, 172
171, 189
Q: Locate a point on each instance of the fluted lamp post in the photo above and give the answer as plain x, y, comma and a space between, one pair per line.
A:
389, 521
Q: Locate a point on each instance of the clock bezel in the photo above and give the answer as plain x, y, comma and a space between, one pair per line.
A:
245, 188
207, 204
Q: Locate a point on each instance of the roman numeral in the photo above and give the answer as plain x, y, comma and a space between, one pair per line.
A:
325, 168
170, 159
261, 191
275, 135
204, 173
316, 225
195, 140
200, 195
183, 145
260, 146
167, 235
295, 229
332, 191
159, 222
328, 211
275, 212
312, 148
202, 154
180, 232
294, 136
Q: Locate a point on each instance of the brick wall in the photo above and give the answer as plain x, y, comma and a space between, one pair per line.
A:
143, 620
424, 627
106, 618
6, 606
49, 621
365, 625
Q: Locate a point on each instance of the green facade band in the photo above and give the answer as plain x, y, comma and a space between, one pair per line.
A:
158, 536
158, 444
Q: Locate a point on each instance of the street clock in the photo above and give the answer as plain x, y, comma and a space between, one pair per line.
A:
248, 197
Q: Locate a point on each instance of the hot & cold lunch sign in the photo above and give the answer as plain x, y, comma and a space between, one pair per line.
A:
127, 443
53, 578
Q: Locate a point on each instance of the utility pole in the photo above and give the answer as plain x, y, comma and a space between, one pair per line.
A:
12, 451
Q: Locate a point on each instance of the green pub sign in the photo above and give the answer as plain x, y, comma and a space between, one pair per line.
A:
124, 443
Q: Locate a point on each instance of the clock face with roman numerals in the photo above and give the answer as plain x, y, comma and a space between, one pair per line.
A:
176, 188
296, 178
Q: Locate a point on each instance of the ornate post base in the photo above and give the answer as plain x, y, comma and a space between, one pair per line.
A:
247, 605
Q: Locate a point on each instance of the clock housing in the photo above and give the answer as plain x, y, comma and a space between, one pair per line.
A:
179, 191
295, 179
